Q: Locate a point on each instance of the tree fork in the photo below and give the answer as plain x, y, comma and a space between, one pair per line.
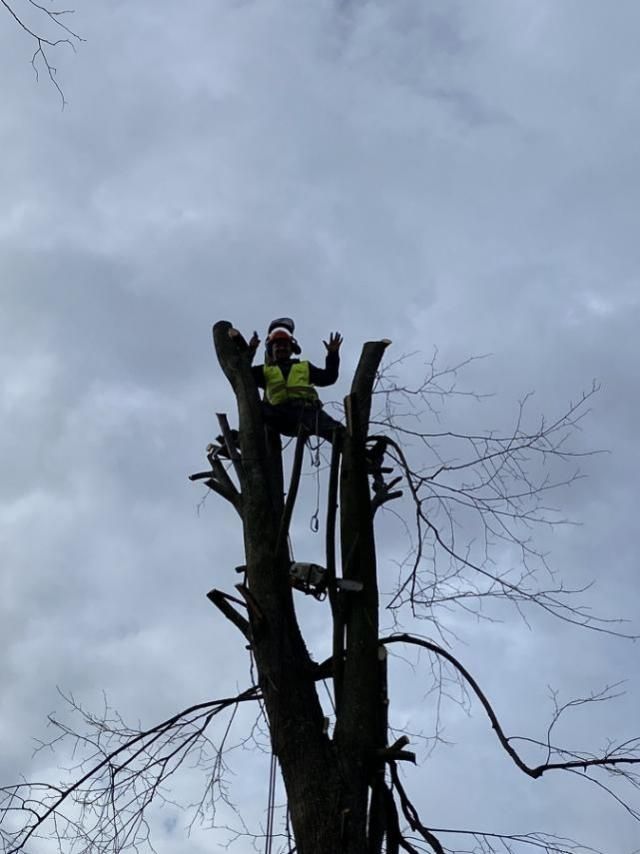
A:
327, 782
285, 670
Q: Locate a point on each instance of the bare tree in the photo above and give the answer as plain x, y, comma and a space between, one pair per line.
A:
47, 29
343, 788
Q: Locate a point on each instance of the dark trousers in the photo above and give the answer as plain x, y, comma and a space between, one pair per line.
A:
287, 417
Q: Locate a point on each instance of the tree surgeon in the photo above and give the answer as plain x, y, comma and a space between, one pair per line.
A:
291, 402
291, 407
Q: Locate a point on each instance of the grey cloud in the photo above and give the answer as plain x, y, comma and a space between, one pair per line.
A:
247, 161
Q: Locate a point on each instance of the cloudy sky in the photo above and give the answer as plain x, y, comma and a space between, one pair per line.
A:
444, 174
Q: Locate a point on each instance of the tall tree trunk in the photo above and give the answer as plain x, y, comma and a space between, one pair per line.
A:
326, 780
357, 732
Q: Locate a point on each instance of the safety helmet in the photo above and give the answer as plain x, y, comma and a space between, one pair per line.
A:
280, 333
284, 323
281, 328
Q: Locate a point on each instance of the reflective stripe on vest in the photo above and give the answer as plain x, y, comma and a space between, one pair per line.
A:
297, 386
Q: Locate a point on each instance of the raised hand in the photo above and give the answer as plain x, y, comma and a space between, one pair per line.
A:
254, 341
333, 345
253, 344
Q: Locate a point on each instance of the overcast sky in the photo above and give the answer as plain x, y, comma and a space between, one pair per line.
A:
456, 175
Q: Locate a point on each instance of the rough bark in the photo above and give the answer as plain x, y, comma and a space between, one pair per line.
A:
327, 781
358, 725
305, 753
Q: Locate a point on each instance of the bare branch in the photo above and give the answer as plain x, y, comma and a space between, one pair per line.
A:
612, 759
115, 785
507, 843
53, 17
411, 814
218, 480
222, 601
505, 500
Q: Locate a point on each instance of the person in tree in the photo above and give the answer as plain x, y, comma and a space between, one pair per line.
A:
290, 396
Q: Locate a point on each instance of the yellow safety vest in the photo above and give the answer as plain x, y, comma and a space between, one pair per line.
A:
297, 385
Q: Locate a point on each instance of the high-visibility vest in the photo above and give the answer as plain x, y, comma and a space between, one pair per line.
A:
297, 385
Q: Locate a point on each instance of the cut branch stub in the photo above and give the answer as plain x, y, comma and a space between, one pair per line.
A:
234, 360
218, 480
223, 601
232, 450
365, 376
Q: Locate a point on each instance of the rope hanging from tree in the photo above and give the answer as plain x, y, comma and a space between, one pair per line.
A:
271, 805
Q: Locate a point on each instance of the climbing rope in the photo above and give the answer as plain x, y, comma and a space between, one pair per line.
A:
274, 727
289, 837
271, 805
315, 459
314, 522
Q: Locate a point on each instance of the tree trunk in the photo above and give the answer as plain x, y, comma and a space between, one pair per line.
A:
326, 780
